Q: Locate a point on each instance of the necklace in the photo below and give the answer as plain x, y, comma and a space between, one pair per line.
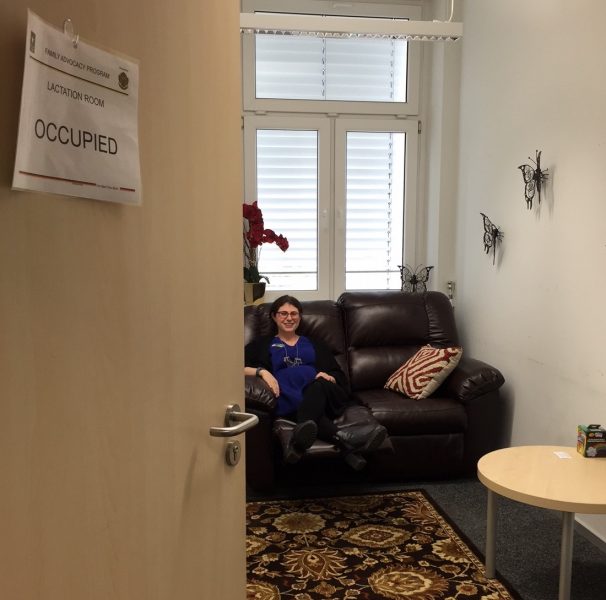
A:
290, 361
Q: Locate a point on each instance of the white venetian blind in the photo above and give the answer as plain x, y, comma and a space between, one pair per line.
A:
289, 67
374, 209
287, 193
346, 69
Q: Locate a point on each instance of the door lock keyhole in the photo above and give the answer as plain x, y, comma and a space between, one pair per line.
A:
232, 453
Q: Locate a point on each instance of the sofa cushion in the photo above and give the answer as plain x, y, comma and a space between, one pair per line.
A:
385, 328
423, 373
385, 318
405, 416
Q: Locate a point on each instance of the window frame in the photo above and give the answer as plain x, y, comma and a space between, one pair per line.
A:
322, 125
332, 180
252, 103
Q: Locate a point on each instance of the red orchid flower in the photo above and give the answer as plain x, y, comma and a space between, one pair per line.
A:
255, 235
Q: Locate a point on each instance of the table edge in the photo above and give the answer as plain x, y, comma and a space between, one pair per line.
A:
540, 501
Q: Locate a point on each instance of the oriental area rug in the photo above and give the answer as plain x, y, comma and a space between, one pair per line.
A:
393, 546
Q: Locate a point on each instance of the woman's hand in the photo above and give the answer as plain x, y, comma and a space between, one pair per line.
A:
271, 381
326, 376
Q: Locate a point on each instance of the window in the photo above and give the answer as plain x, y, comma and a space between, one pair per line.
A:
290, 181
377, 164
310, 68
288, 72
331, 165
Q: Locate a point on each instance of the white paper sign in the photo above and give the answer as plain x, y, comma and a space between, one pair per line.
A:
78, 132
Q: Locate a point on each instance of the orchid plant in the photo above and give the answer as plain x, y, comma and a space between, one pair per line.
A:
255, 235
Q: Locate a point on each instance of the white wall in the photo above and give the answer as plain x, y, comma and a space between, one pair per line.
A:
440, 118
533, 78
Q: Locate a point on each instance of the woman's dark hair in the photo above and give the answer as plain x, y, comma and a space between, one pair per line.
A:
281, 301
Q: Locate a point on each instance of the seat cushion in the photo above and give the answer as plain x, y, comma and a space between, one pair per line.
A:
404, 416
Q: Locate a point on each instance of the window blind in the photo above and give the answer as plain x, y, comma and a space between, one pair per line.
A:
287, 193
374, 209
310, 68
289, 67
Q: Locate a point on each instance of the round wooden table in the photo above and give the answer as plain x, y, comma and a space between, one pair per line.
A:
554, 477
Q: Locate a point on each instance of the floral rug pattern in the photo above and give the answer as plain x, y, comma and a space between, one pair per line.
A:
396, 546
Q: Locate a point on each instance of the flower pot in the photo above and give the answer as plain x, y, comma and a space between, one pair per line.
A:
253, 291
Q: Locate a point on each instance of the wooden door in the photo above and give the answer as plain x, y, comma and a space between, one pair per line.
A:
120, 329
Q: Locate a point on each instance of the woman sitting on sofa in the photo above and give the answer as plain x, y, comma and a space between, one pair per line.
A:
310, 386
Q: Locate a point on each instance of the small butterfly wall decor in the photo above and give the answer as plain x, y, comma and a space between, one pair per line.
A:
534, 177
414, 281
492, 237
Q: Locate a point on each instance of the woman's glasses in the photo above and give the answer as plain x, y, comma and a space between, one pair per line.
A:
284, 314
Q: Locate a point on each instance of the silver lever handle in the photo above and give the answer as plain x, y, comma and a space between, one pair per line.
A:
245, 421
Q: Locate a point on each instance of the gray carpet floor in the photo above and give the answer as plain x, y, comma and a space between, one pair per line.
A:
528, 538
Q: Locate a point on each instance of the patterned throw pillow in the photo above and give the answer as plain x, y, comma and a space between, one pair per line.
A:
423, 373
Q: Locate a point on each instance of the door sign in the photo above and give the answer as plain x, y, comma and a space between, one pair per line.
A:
78, 133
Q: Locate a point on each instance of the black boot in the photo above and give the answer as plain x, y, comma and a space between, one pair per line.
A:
361, 438
303, 436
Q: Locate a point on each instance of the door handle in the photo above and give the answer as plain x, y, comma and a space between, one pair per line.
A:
236, 422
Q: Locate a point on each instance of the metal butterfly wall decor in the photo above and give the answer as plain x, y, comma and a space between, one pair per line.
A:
492, 237
414, 281
534, 178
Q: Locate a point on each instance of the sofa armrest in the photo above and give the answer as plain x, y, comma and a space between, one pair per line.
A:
259, 400
472, 378
258, 395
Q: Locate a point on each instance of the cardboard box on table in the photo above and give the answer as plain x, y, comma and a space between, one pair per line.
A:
591, 441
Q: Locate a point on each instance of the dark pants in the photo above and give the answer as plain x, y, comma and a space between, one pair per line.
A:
322, 403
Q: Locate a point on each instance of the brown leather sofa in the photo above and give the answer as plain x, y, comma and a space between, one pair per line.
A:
371, 335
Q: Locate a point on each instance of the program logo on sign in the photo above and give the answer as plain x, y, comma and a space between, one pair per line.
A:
123, 80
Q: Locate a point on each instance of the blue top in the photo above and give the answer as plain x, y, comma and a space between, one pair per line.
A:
294, 368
